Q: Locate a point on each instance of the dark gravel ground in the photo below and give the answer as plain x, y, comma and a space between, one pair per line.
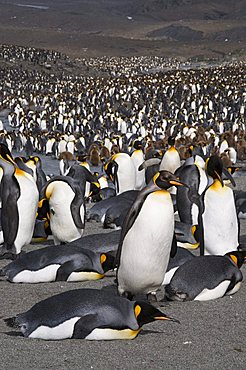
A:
211, 334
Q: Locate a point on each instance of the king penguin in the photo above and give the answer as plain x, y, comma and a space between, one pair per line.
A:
219, 218
86, 314
58, 263
171, 159
146, 238
67, 209
205, 278
138, 158
121, 170
19, 196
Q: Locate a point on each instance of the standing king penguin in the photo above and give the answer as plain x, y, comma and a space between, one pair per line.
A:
19, 196
121, 170
67, 209
146, 238
219, 219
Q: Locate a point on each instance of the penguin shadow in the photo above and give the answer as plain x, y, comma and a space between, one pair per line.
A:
159, 304
13, 334
149, 331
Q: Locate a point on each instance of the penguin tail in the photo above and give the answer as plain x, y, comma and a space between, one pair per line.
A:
2, 273
11, 322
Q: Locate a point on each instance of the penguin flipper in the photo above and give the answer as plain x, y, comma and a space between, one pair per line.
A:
174, 246
84, 326
10, 226
75, 210
66, 269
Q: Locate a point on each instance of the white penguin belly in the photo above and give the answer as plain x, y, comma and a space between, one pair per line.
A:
170, 161
112, 334
220, 222
138, 159
146, 247
27, 205
61, 221
209, 294
235, 289
126, 175
169, 275
62, 331
84, 276
43, 275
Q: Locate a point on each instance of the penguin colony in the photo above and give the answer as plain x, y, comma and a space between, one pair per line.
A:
148, 154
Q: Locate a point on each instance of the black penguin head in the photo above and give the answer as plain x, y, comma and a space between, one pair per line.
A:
107, 260
94, 188
137, 145
43, 210
165, 179
5, 153
171, 140
111, 168
238, 257
214, 168
146, 313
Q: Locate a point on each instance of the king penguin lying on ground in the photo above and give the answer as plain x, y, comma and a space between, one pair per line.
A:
86, 314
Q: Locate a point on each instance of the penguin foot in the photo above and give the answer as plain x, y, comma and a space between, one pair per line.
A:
5, 253
127, 295
152, 298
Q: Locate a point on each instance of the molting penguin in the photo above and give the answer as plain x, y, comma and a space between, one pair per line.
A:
86, 314
58, 263
19, 196
207, 277
219, 218
67, 209
66, 160
146, 238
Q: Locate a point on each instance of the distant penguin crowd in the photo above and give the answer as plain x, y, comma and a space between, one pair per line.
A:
153, 156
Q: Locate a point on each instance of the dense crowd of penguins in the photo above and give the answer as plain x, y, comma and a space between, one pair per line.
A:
149, 155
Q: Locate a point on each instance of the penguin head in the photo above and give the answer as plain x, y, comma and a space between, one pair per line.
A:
94, 188
107, 260
146, 313
6, 154
165, 179
137, 145
43, 209
171, 140
215, 168
238, 257
111, 168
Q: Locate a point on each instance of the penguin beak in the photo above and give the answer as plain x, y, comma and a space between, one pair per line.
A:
229, 176
166, 318
178, 183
